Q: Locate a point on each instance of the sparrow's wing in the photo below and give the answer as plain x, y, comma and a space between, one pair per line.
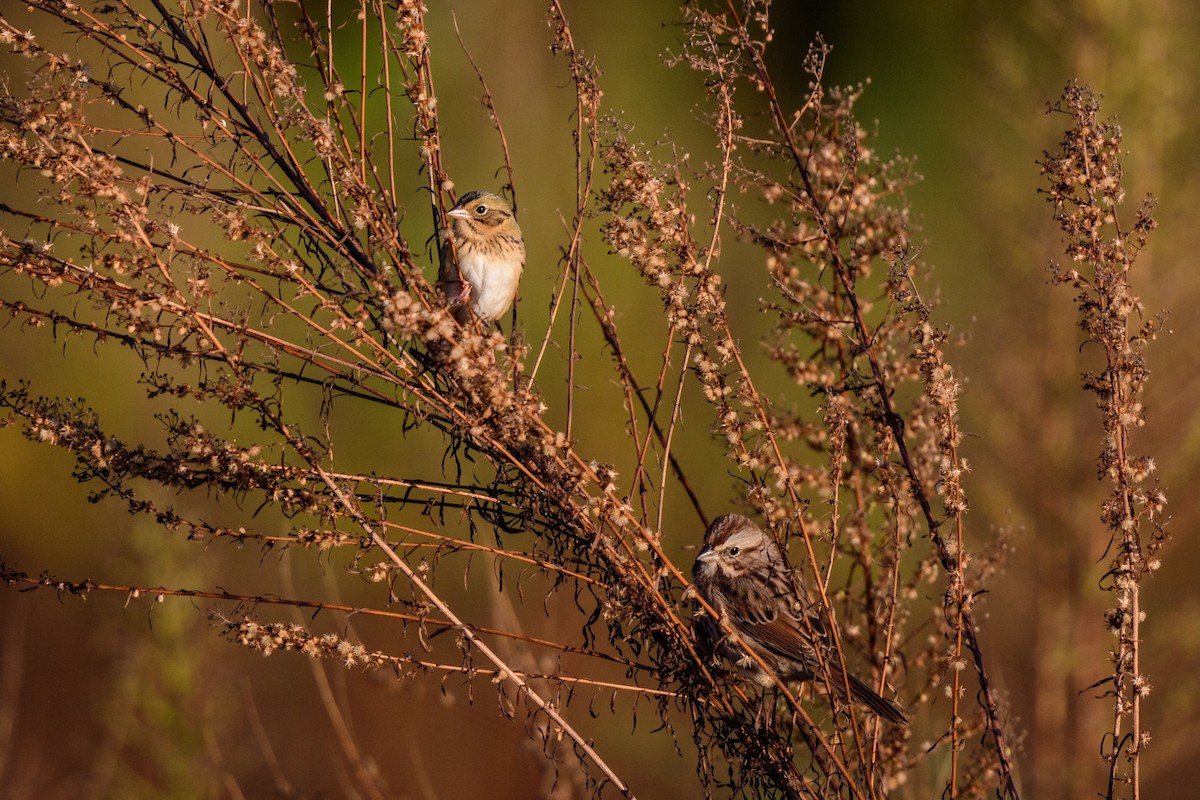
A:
788, 639
447, 269
785, 638
449, 282
770, 620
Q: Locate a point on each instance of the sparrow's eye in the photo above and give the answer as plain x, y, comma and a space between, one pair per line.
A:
481, 209
733, 551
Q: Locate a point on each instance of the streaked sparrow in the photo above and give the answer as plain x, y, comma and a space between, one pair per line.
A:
491, 256
743, 576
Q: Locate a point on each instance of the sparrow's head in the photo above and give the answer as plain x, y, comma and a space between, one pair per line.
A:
734, 546
483, 215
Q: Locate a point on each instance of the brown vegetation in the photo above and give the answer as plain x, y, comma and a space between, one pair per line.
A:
233, 194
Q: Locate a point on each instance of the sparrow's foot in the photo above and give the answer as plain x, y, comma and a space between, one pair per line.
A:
463, 296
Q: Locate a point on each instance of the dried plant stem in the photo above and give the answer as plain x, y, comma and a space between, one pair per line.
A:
1086, 192
883, 389
502, 666
11, 576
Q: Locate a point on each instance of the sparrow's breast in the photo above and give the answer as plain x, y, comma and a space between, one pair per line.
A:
493, 283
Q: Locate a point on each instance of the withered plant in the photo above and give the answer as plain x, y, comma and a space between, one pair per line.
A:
205, 184
1086, 192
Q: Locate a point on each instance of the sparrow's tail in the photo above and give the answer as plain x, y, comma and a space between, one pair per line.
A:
868, 697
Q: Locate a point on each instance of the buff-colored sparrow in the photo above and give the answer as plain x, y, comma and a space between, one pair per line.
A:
742, 575
491, 256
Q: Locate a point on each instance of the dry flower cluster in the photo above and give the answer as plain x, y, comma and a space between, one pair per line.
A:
200, 116
1085, 190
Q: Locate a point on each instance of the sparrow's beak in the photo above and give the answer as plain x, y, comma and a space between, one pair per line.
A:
707, 554
459, 213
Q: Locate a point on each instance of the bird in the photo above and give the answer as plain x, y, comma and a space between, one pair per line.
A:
491, 256
742, 575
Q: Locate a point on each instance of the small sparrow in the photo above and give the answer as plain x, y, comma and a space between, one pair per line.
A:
742, 575
491, 255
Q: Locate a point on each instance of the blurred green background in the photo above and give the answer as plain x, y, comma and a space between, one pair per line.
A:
148, 702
